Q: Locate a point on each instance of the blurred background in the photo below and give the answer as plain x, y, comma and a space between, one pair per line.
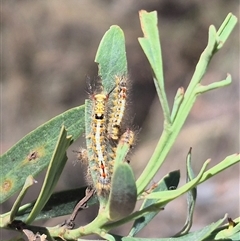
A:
48, 50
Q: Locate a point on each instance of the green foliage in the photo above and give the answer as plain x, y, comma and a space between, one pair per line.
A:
123, 194
191, 197
33, 153
170, 181
54, 171
60, 204
181, 109
45, 147
111, 57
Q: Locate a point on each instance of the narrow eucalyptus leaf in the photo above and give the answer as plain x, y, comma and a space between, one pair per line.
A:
34, 151
54, 171
198, 235
191, 197
29, 182
169, 182
59, 204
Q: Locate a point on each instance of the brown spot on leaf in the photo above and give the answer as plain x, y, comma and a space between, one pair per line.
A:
7, 185
32, 155
40, 150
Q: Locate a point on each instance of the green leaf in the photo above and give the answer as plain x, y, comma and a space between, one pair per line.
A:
181, 108
167, 196
59, 204
221, 166
123, 187
193, 236
170, 181
151, 43
191, 197
111, 56
111, 59
123, 195
54, 171
152, 49
29, 182
227, 232
33, 152
225, 29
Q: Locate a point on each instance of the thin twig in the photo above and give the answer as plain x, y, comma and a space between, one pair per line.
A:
82, 204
